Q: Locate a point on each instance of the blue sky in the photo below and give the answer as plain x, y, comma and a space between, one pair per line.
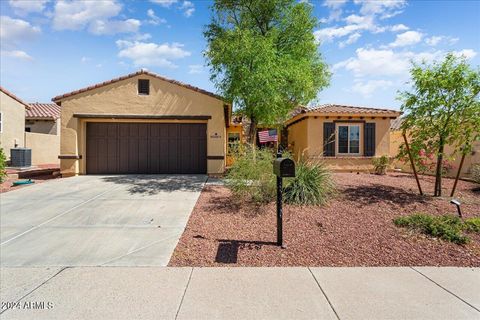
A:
50, 47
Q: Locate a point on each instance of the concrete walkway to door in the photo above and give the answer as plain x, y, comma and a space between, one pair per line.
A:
121, 220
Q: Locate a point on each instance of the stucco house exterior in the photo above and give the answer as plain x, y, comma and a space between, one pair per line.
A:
12, 121
344, 137
43, 118
142, 123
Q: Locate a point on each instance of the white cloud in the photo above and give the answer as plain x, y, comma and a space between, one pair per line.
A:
85, 59
188, 8
435, 40
336, 11
141, 36
383, 62
356, 24
17, 54
399, 27
367, 88
94, 15
154, 19
407, 38
151, 54
23, 7
100, 27
351, 39
195, 69
384, 9
16, 30
334, 4
467, 53
164, 3
76, 15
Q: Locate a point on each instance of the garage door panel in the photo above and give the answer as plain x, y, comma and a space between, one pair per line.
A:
146, 148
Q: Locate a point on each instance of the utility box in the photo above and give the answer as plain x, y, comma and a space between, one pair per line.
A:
20, 157
284, 167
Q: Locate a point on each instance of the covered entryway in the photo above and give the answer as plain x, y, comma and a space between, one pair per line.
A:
119, 147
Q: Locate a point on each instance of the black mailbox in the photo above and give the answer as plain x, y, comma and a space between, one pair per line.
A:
284, 168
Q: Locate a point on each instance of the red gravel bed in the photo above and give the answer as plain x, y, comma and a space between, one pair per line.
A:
355, 229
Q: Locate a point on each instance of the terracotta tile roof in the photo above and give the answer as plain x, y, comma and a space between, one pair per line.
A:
43, 111
335, 108
142, 71
396, 124
14, 97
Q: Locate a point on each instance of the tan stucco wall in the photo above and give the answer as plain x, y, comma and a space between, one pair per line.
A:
306, 136
121, 97
298, 139
396, 139
45, 147
13, 123
44, 126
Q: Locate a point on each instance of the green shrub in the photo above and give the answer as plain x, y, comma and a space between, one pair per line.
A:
380, 164
3, 164
472, 224
446, 227
476, 173
312, 185
251, 176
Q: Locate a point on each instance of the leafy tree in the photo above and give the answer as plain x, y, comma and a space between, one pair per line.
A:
263, 56
442, 108
3, 164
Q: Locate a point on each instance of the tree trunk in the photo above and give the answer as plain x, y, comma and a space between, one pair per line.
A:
458, 174
438, 173
252, 132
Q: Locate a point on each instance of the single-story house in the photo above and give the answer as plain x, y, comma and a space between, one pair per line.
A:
43, 118
142, 123
345, 137
12, 121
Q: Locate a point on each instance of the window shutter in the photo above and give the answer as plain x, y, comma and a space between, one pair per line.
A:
329, 139
369, 139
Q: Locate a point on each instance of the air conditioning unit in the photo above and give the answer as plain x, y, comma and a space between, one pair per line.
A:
20, 157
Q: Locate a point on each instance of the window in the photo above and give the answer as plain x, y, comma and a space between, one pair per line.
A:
143, 86
28, 129
233, 142
1, 122
349, 139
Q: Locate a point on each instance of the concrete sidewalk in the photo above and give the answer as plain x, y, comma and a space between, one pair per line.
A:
240, 293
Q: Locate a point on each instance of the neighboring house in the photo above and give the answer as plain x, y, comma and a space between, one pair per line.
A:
344, 137
43, 118
142, 123
396, 139
12, 121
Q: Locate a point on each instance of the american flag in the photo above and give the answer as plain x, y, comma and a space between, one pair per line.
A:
267, 136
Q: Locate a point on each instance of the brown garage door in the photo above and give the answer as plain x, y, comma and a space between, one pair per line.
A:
146, 148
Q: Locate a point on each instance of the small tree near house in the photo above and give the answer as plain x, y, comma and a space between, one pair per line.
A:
442, 108
264, 57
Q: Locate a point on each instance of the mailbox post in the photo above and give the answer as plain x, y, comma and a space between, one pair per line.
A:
283, 168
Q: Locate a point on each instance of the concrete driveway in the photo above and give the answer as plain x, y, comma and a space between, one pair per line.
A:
126, 220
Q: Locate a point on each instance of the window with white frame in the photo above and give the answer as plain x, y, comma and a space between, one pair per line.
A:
348, 139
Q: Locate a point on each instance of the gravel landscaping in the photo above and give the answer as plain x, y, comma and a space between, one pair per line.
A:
354, 229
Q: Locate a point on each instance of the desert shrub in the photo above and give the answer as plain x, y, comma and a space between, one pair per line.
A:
446, 227
476, 173
312, 185
472, 224
380, 164
3, 164
251, 176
